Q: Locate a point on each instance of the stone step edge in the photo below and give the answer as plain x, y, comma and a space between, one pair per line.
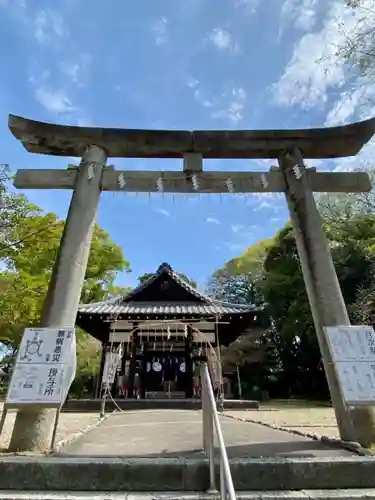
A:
173, 474
340, 494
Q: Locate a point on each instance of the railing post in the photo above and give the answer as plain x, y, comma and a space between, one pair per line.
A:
208, 427
223, 485
204, 408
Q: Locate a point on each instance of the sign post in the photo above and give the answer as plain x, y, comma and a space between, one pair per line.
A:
43, 372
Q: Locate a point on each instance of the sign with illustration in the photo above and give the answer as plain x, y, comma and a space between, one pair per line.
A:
45, 367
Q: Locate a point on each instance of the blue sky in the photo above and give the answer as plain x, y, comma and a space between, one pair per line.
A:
181, 64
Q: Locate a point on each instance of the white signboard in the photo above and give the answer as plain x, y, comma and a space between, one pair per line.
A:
351, 343
353, 354
45, 367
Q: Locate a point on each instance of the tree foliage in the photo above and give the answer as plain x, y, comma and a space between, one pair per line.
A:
29, 241
358, 47
292, 362
237, 289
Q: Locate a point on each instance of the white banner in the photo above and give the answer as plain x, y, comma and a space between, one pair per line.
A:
110, 367
214, 365
45, 367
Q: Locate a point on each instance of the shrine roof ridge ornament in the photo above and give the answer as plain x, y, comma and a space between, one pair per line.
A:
66, 140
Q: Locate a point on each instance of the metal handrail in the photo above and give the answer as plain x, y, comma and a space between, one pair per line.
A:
210, 422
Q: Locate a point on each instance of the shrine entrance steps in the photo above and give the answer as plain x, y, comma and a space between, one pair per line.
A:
157, 454
179, 478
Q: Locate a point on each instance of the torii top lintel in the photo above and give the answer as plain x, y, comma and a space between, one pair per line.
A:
63, 140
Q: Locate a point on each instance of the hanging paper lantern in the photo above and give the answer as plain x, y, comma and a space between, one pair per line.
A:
156, 366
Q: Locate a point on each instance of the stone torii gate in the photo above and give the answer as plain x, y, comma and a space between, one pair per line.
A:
95, 145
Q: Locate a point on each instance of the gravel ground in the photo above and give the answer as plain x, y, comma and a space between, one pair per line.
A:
69, 425
319, 421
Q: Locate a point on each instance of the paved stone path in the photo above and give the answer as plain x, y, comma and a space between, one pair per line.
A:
178, 433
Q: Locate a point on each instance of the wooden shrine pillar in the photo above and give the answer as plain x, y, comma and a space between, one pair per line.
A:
133, 362
99, 384
123, 359
144, 371
189, 365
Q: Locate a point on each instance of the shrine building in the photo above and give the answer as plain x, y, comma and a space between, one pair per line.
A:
161, 330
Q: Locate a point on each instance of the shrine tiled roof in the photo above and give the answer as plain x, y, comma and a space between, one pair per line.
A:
150, 298
170, 308
166, 270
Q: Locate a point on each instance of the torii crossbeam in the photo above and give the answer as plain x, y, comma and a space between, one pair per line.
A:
288, 147
193, 147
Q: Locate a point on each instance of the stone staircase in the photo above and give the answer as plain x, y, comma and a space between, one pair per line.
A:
138, 478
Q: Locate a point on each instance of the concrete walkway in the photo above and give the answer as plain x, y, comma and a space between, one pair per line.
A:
178, 433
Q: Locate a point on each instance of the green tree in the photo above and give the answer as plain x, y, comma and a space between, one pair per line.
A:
88, 365
237, 289
29, 259
29, 241
14, 209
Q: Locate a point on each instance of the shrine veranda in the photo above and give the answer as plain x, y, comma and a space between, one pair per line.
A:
160, 331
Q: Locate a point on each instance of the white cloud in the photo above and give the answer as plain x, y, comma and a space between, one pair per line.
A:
76, 70
212, 220
192, 82
49, 25
200, 96
317, 76
13, 4
313, 68
236, 247
164, 212
54, 101
228, 106
358, 104
159, 28
199, 93
265, 205
250, 5
235, 228
233, 112
301, 13
222, 39
239, 93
